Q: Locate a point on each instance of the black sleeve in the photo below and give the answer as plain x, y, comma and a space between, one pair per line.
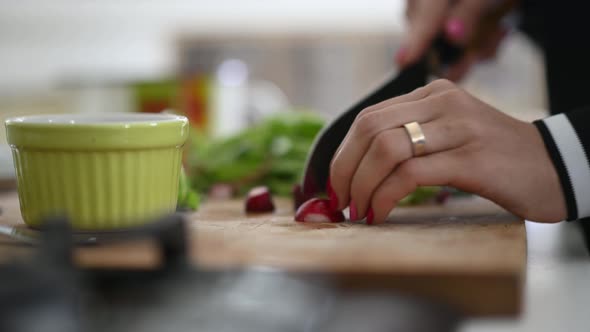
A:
559, 29
567, 139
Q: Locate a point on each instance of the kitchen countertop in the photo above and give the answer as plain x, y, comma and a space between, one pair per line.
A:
557, 291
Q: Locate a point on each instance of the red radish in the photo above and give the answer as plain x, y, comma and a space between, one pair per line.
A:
259, 200
442, 196
318, 210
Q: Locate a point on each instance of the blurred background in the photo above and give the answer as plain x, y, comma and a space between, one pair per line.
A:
225, 63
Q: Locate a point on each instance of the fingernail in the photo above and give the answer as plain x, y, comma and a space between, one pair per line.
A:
400, 56
332, 196
353, 212
455, 29
370, 216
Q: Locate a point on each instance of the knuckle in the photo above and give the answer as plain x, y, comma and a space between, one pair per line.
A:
452, 96
383, 148
442, 84
450, 101
389, 150
368, 110
365, 125
448, 128
422, 91
362, 113
470, 128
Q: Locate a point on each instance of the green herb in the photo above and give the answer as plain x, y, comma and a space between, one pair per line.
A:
271, 153
420, 196
187, 197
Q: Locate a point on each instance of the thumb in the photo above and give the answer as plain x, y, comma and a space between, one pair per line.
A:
463, 20
425, 21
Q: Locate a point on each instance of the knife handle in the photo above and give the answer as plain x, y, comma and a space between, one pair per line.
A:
444, 54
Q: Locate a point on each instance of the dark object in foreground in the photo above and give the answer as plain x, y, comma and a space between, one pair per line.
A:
49, 293
318, 210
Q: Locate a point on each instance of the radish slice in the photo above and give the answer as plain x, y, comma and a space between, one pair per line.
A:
318, 210
259, 200
442, 196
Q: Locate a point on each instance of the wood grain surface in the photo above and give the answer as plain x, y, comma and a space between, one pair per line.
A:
469, 253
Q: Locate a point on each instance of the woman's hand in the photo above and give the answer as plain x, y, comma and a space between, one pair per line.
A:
469, 145
461, 22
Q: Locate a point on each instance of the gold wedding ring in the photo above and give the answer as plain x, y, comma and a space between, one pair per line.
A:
417, 137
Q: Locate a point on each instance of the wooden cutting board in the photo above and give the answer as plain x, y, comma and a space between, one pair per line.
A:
468, 253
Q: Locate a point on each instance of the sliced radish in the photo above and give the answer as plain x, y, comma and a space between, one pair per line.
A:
318, 210
259, 200
442, 196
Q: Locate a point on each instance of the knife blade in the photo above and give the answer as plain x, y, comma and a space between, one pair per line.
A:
317, 166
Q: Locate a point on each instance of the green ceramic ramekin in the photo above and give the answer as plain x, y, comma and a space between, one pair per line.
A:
104, 172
